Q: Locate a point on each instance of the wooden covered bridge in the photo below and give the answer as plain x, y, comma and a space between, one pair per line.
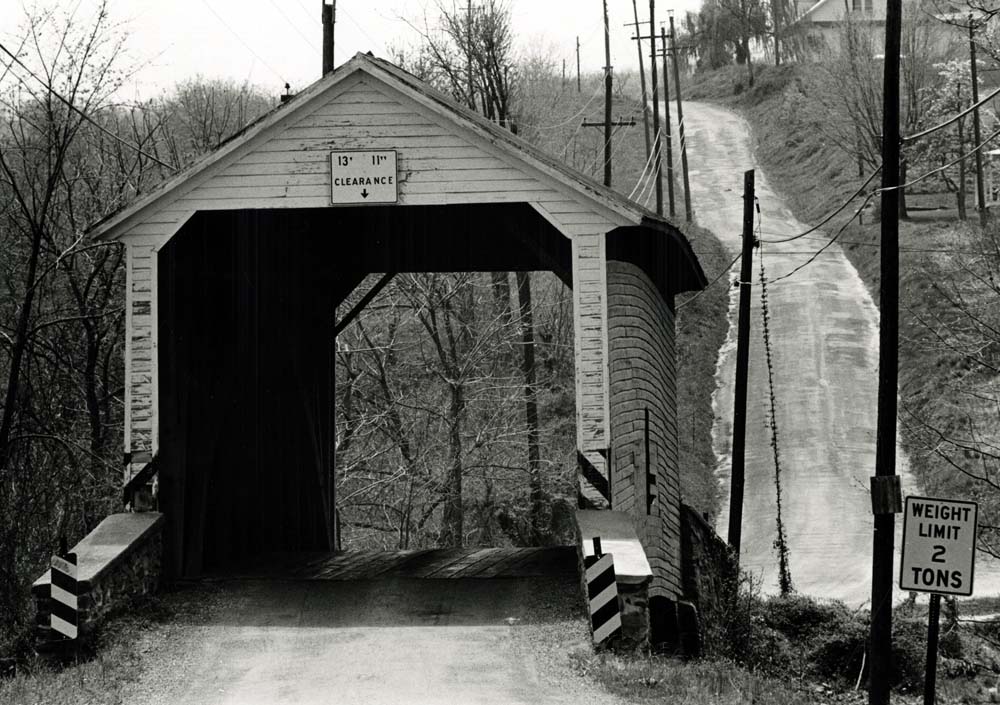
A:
236, 266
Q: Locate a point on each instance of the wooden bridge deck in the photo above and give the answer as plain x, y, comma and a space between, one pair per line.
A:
435, 564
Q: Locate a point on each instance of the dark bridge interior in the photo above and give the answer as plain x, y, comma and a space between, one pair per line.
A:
246, 313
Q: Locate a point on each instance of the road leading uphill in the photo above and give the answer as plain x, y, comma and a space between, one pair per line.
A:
824, 330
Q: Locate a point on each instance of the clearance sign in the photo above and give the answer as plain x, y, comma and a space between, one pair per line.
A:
939, 540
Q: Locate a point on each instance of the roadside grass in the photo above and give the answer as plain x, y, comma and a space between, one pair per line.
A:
99, 674
649, 679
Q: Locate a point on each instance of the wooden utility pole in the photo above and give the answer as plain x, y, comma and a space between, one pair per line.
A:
680, 120
976, 131
666, 126
642, 77
657, 155
885, 484
578, 64
736, 479
607, 98
329, 17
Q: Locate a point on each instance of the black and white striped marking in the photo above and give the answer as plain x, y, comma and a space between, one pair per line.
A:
602, 593
64, 595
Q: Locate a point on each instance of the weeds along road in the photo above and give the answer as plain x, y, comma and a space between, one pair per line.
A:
824, 332
370, 642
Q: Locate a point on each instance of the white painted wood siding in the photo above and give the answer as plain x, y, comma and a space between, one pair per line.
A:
140, 358
439, 163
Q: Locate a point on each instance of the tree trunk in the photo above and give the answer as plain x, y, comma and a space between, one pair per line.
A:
961, 172
536, 494
451, 524
17, 353
501, 294
902, 191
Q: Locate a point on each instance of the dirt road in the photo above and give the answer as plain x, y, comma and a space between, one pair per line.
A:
372, 642
825, 331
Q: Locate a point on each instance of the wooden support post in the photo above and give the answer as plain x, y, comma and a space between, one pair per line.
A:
883, 537
680, 120
607, 98
666, 127
742, 359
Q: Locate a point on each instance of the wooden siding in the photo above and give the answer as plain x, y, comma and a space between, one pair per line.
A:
140, 354
438, 164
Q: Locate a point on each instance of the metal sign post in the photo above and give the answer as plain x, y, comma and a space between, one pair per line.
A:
939, 557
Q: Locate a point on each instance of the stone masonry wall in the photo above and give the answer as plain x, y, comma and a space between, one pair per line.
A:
711, 573
135, 576
643, 378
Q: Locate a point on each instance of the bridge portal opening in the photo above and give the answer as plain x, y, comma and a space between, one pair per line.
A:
267, 423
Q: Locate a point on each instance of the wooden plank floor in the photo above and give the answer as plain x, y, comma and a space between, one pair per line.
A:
433, 564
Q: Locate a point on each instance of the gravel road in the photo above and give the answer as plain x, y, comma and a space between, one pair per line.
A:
396, 641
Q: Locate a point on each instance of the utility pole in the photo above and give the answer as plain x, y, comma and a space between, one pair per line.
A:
736, 479
642, 77
977, 135
680, 119
564, 75
578, 64
329, 17
607, 98
656, 107
885, 487
666, 125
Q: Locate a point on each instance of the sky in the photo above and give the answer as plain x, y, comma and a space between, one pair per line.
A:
271, 42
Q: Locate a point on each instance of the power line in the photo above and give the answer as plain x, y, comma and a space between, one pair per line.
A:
929, 130
708, 286
82, 114
832, 214
240, 39
942, 168
568, 120
645, 168
293, 25
829, 243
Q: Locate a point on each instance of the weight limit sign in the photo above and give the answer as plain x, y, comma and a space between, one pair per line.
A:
939, 546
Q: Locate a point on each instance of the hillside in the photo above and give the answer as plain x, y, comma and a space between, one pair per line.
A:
948, 294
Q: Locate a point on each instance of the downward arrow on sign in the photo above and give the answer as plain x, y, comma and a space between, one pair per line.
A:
364, 193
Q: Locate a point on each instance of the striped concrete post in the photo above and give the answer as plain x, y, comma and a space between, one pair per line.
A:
602, 595
65, 609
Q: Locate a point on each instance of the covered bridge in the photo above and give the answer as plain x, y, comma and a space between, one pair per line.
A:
236, 265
